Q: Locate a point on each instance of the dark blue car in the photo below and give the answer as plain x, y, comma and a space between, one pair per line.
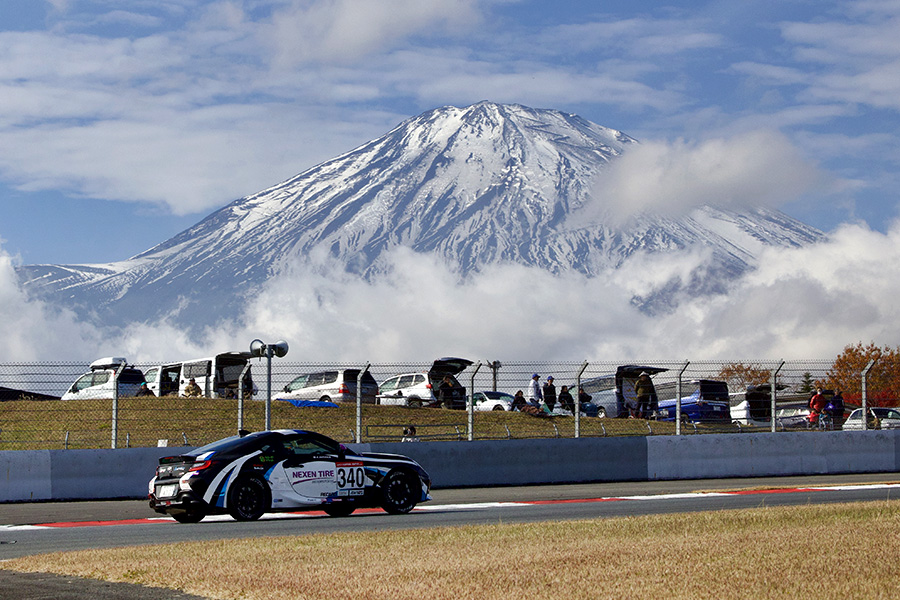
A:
707, 403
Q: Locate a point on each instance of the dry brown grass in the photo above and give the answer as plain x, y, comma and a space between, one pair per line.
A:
823, 552
37, 425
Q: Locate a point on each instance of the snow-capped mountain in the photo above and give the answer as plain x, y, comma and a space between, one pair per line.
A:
477, 185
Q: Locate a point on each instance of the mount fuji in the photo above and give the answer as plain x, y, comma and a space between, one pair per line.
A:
480, 185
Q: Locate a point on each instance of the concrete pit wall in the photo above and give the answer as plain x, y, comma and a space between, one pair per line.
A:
38, 475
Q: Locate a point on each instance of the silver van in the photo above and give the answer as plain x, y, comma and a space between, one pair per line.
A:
331, 386
100, 382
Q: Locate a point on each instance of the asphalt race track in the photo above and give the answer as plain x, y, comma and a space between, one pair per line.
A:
36, 528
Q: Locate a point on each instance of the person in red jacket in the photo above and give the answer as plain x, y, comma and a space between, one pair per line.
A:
817, 404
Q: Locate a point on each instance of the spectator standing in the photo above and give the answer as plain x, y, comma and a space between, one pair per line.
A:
817, 404
535, 396
644, 392
549, 392
837, 407
445, 394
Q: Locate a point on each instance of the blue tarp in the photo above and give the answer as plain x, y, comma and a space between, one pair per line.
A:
309, 403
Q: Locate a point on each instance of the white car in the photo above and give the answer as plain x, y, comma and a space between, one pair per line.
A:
423, 388
98, 383
887, 418
488, 401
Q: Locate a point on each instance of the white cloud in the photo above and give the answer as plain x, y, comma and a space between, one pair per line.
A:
341, 31
805, 303
750, 169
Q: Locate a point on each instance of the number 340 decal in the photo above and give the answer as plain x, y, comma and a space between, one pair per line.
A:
350, 475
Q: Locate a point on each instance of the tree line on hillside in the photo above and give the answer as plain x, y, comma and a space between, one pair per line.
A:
845, 375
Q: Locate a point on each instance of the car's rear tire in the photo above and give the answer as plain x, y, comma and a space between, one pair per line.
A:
342, 509
414, 403
191, 516
248, 499
498, 407
400, 492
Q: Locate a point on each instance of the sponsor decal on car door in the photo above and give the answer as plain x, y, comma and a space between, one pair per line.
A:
318, 480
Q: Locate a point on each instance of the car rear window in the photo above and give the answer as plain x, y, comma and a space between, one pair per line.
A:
131, 376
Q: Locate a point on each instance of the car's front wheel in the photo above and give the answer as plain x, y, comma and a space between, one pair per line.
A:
248, 499
190, 516
342, 509
400, 492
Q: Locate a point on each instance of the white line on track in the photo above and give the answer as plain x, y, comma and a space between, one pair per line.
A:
474, 506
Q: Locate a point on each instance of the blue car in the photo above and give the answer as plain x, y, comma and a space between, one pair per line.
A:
708, 403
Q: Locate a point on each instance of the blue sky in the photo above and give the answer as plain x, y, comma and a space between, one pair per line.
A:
124, 122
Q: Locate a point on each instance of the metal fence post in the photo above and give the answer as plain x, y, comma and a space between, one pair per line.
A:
359, 379
241, 392
115, 406
578, 399
678, 398
470, 408
865, 399
495, 367
774, 392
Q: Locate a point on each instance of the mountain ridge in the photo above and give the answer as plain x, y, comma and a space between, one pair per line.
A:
478, 185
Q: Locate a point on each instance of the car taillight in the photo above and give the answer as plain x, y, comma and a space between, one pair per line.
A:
201, 465
428, 386
343, 389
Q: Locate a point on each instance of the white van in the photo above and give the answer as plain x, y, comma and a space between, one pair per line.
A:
98, 383
163, 379
219, 376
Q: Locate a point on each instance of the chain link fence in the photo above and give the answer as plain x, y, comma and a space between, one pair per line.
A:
32, 416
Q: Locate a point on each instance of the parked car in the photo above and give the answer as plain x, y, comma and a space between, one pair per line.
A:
331, 386
792, 417
422, 388
100, 382
879, 418
283, 470
707, 402
488, 401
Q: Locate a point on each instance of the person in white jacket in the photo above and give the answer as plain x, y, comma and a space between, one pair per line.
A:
535, 396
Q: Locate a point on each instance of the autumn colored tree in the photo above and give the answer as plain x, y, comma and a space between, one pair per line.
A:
739, 376
882, 381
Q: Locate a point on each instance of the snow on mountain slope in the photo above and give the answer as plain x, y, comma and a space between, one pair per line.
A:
478, 185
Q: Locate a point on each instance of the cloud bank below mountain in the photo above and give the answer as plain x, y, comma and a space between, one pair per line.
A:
806, 302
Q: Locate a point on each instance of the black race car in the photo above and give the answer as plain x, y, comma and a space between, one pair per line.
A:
284, 470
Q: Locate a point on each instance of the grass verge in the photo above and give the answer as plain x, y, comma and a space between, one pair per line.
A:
37, 425
830, 551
